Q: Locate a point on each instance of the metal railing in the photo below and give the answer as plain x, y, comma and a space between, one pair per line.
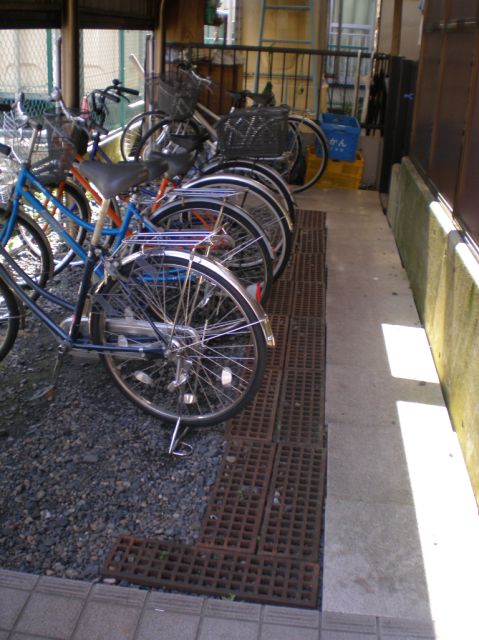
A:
310, 80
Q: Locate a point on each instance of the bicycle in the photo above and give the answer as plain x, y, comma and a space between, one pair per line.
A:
249, 195
304, 134
245, 252
48, 171
178, 102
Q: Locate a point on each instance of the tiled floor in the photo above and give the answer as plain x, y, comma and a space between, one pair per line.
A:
50, 608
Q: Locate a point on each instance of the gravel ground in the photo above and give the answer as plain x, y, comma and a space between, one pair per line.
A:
80, 469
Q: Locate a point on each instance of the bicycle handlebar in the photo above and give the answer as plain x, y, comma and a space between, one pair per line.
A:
121, 90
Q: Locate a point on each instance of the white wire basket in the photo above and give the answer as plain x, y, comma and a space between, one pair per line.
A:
54, 150
8, 175
177, 97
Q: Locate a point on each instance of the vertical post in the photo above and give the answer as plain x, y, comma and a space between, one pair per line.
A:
322, 43
57, 73
159, 34
71, 49
357, 82
18, 59
49, 60
121, 73
397, 20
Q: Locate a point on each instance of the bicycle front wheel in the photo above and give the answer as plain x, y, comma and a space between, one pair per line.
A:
158, 137
9, 319
214, 346
134, 131
30, 249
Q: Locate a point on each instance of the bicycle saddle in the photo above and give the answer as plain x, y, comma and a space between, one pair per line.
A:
112, 179
188, 141
258, 98
175, 163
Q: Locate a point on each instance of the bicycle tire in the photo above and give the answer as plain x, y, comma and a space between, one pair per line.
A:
250, 259
258, 201
257, 171
156, 138
9, 319
305, 137
72, 197
215, 348
134, 130
29, 247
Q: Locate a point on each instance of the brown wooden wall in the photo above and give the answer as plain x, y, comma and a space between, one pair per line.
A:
446, 128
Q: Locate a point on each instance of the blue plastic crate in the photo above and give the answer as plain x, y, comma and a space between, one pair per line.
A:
343, 135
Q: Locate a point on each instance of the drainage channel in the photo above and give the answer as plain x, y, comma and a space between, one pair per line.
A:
261, 535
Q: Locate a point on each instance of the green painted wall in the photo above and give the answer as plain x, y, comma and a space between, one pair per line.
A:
444, 277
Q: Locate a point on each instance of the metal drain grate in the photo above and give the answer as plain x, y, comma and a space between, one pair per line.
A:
294, 507
257, 421
280, 300
232, 519
310, 241
308, 299
288, 273
310, 219
309, 267
267, 580
306, 343
260, 537
300, 416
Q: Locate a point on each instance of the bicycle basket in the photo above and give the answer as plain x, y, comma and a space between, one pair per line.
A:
177, 97
56, 147
253, 133
16, 135
8, 177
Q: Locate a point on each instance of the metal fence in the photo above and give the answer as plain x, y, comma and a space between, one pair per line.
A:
306, 79
28, 63
312, 81
31, 59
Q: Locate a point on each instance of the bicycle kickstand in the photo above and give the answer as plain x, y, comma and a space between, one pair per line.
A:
48, 392
178, 447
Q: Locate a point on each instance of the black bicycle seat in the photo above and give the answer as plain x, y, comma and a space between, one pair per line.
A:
112, 179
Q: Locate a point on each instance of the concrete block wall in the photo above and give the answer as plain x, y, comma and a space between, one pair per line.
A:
444, 278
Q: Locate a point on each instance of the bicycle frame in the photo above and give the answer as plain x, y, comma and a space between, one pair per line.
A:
27, 180
71, 340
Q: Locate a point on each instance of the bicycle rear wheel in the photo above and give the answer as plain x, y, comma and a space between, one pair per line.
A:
257, 171
213, 342
307, 144
9, 319
245, 250
258, 201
